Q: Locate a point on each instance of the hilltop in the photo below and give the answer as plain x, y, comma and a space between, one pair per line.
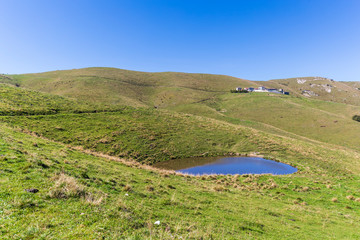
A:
164, 89
117, 86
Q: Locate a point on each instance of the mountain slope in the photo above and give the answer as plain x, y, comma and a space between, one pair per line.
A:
87, 194
164, 89
208, 95
117, 86
21, 101
319, 88
328, 122
355, 85
82, 196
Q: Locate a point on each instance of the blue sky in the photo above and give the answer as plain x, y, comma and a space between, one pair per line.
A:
252, 39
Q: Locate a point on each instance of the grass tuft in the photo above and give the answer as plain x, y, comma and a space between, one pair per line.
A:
350, 197
66, 187
127, 188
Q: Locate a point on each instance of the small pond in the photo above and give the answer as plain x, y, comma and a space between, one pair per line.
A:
227, 165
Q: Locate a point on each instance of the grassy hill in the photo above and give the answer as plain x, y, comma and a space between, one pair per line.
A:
16, 101
166, 89
296, 117
89, 159
355, 85
117, 86
83, 196
21, 101
319, 88
207, 95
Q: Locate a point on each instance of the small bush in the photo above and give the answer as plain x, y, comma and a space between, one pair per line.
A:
356, 118
239, 91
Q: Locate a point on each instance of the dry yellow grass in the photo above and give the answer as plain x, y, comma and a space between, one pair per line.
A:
65, 187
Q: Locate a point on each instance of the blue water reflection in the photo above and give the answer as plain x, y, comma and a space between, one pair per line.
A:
231, 165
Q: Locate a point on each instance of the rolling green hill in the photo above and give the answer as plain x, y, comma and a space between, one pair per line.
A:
82, 196
116, 86
163, 89
85, 139
298, 117
302, 115
21, 101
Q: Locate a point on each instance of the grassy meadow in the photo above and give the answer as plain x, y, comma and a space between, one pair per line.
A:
298, 117
18, 101
90, 157
83, 196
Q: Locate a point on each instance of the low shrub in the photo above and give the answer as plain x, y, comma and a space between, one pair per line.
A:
356, 118
239, 91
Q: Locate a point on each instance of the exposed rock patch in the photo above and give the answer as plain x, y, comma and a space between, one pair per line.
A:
308, 93
301, 81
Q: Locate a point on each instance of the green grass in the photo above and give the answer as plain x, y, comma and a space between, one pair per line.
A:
325, 89
19, 101
266, 207
117, 86
327, 122
145, 135
150, 136
166, 89
83, 155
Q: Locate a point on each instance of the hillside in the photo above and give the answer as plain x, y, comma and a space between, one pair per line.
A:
297, 117
303, 114
355, 85
86, 140
166, 89
17, 99
319, 88
20, 101
86, 194
82, 196
117, 86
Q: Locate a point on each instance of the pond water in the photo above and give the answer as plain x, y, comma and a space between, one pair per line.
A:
227, 165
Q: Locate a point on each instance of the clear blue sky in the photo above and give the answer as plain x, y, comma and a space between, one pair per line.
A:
252, 39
